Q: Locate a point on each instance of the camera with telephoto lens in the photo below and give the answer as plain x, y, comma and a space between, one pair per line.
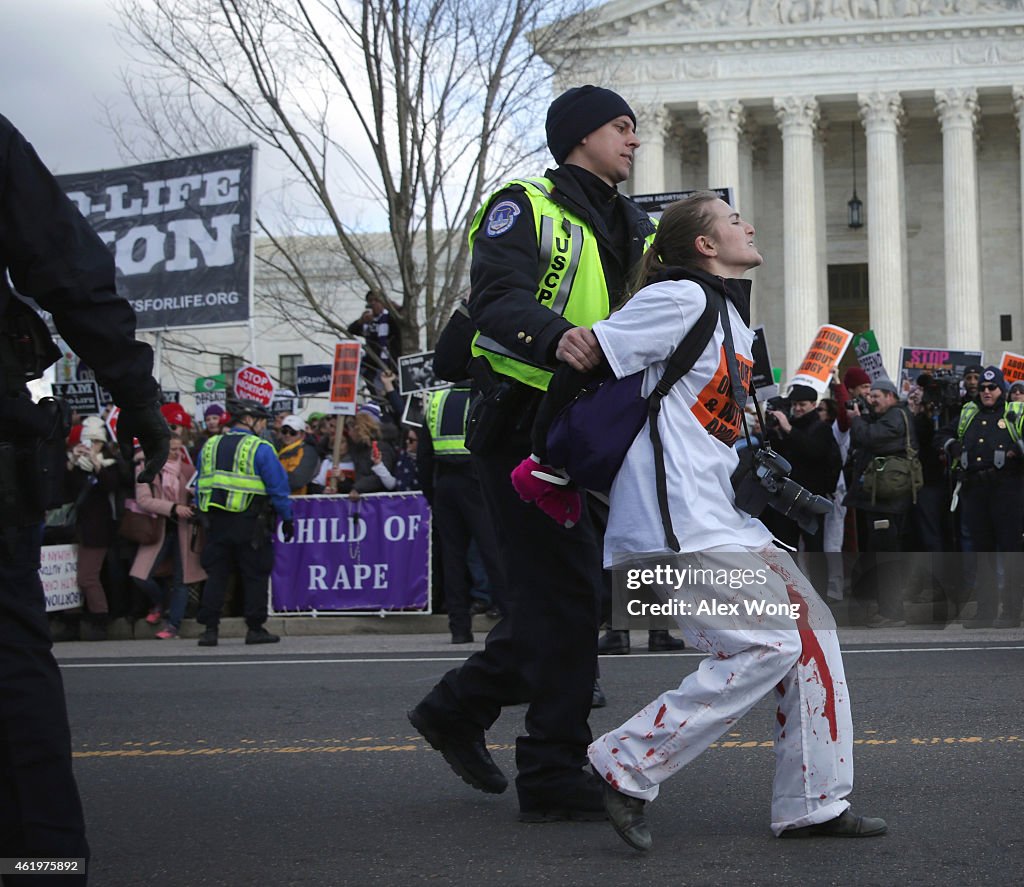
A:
762, 479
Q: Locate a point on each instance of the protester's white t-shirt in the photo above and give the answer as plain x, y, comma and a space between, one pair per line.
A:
699, 424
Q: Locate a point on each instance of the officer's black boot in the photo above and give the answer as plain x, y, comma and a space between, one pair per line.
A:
208, 638
613, 643
660, 641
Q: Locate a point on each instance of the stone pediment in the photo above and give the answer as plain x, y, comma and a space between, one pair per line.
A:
629, 16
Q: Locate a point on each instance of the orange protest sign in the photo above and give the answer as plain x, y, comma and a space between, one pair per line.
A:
345, 377
1012, 366
829, 346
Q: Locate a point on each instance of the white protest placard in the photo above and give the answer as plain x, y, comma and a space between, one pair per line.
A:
58, 571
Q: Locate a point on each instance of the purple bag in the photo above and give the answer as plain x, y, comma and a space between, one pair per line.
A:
591, 435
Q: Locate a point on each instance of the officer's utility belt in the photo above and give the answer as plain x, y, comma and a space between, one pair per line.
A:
996, 474
31, 458
500, 407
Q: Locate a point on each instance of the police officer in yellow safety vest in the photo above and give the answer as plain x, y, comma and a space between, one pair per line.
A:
551, 256
449, 481
989, 455
240, 482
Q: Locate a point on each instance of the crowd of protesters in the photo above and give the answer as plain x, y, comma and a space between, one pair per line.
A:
951, 540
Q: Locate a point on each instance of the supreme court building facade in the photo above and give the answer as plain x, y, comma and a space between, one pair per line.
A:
919, 103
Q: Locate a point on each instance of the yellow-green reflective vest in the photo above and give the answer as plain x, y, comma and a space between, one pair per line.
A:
447, 427
239, 484
1013, 415
573, 285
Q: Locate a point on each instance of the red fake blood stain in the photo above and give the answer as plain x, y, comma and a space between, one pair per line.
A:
659, 721
650, 752
811, 652
822, 797
615, 751
612, 781
780, 717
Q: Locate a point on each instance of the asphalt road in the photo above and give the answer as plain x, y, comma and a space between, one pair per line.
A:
295, 765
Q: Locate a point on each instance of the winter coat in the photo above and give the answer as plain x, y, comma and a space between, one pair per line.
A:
152, 499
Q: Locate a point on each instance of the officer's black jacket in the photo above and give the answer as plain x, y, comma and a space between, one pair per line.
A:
53, 255
504, 272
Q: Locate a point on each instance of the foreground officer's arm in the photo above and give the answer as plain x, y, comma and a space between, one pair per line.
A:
55, 257
275, 479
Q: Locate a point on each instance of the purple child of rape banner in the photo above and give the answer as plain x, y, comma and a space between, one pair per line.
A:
371, 554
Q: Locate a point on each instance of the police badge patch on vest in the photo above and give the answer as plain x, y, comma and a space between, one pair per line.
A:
501, 218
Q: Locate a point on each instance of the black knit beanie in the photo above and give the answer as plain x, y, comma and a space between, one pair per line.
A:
577, 112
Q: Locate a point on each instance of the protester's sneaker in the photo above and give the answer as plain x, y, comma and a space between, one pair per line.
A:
845, 825
626, 814
260, 636
153, 616
209, 638
167, 633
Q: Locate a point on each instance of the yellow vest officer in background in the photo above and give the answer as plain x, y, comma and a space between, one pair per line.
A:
449, 481
551, 256
241, 483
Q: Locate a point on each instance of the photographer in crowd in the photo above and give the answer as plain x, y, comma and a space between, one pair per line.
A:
885, 434
801, 437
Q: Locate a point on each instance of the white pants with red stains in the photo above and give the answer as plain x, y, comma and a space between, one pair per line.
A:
748, 656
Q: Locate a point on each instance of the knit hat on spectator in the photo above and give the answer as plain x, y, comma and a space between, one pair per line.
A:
293, 422
974, 369
316, 417
370, 408
803, 392
1017, 387
214, 409
854, 377
174, 414
993, 376
885, 385
93, 429
577, 112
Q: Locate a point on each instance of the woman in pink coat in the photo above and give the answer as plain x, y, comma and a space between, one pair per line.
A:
168, 498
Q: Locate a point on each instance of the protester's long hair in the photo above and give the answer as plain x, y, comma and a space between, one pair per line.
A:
674, 244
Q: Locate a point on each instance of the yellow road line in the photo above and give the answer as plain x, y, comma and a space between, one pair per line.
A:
159, 749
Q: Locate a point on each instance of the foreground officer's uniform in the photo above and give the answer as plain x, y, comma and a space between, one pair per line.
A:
449, 482
238, 473
52, 255
992, 496
548, 255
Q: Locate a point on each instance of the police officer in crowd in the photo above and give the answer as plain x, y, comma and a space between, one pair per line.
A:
241, 483
52, 255
551, 256
450, 483
883, 527
988, 457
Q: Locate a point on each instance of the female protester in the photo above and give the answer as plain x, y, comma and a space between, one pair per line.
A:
372, 458
168, 497
92, 480
1016, 392
703, 239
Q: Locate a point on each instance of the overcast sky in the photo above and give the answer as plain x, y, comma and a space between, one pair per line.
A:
58, 63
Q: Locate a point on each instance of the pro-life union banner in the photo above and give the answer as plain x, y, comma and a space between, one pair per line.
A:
181, 234
369, 554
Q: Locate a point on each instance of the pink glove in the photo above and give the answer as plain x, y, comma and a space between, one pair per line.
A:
558, 501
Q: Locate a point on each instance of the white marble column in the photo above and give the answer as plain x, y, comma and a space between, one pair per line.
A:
958, 113
652, 122
723, 121
882, 114
1018, 110
798, 119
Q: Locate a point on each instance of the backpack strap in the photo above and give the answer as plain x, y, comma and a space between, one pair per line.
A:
679, 364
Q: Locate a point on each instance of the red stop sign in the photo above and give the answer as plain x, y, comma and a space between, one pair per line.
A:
254, 383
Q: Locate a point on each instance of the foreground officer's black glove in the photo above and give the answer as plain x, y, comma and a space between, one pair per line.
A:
148, 425
287, 530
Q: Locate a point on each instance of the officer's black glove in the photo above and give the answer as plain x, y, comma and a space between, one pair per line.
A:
287, 530
148, 425
953, 449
